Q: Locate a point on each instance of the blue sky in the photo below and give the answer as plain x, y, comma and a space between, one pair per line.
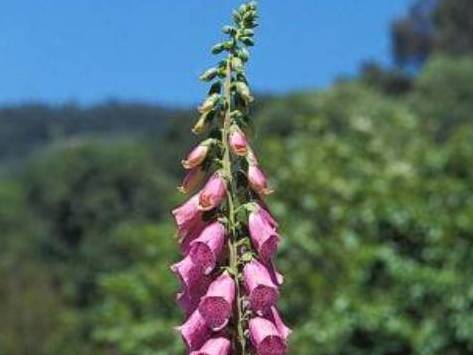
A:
87, 51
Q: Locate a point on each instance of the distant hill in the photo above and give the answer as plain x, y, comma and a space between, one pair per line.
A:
26, 128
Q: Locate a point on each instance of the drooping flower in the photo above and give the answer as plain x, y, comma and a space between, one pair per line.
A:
189, 273
192, 179
197, 155
195, 331
189, 299
207, 248
187, 216
262, 292
263, 233
213, 193
215, 346
274, 316
238, 142
216, 306
265, 337
257, 180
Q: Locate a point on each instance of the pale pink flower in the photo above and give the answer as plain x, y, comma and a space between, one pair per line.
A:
216, 306
262, 291
192, 180
263, 233
195, 332
238, 142
215, 346
187, 216
196, 156
257, 180
265, 337
207, 248
213, 193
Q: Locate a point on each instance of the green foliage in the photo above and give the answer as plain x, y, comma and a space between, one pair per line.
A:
443, 94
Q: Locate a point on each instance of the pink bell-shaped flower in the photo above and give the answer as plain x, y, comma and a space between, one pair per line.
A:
263, 233
238, 142
206, 249
192, 180
189, 299
213, 193
197, 155
265, 337
262, 292
195, 332
274, 316
190, 274
216, 306
257, 180
214, 346
188, 215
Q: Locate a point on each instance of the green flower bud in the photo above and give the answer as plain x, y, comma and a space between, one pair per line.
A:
218, 48
243, 54
209, 103
230, 30
244, 91
246, 32
247, 41
237, 64
209, 74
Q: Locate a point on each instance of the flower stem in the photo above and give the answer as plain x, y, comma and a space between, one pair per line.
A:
233, 237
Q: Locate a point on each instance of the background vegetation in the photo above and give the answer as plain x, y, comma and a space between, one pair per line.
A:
374, 192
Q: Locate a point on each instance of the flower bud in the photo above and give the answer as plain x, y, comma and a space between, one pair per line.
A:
244, 91
193, 179
257, 180
237, 64
209, 103
209, 74
238, 142
213, 193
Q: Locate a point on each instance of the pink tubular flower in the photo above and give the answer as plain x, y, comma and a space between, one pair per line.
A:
190, 274
274, 316
262, 292
189, 299
265, 337
193, 179
196, 156
206, 249
194, 332
238, 142
257, 180
187, 215
215, 346
263, 233
213, 193
216, 305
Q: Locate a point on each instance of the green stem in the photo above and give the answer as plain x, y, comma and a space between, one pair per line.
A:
233, 237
